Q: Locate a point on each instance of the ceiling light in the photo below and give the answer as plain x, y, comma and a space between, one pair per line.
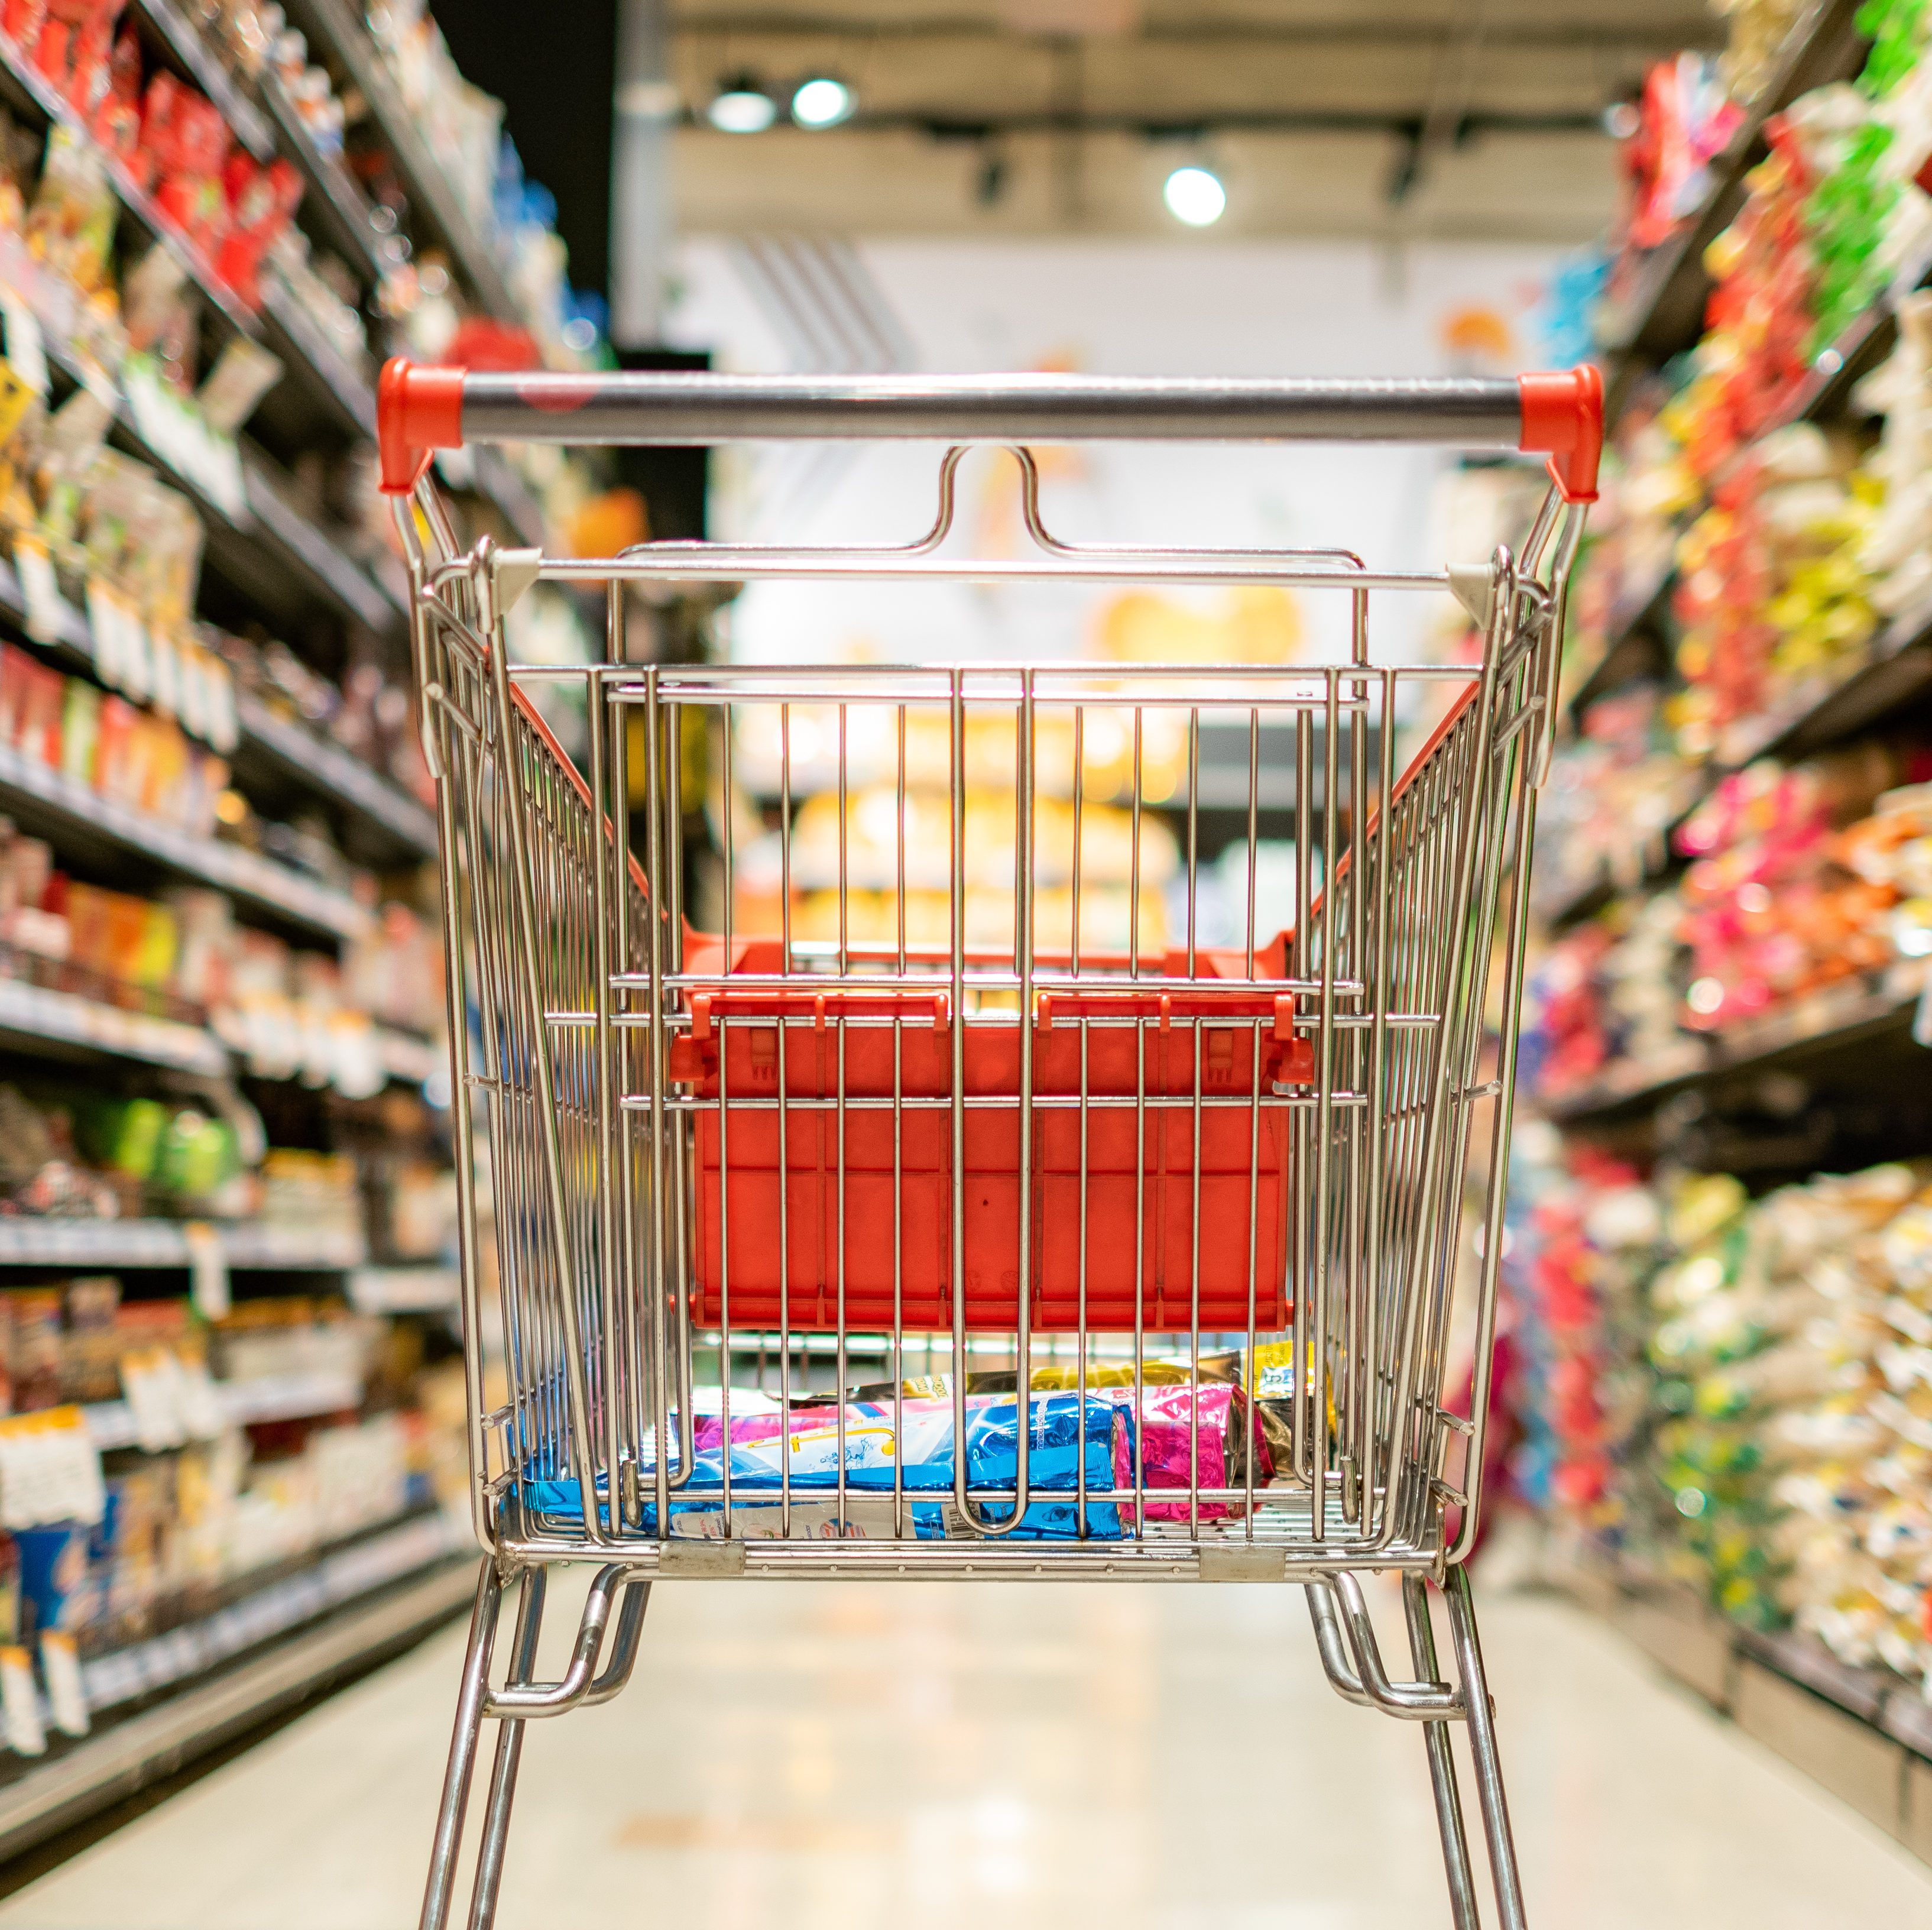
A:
1621, 120
1194, 195
821, 102
742, 107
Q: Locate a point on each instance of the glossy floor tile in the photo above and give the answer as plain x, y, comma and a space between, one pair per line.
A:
924, 1758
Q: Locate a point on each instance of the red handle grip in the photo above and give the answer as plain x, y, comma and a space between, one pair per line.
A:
418, 412
1563, 419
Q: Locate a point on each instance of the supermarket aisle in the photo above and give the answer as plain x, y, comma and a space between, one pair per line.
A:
839, 1757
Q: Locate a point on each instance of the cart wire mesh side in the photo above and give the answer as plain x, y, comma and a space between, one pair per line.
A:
1001, 1187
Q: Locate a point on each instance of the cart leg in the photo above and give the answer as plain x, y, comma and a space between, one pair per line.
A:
463, 1750
509, 1753
1441, 1762
1481, 1720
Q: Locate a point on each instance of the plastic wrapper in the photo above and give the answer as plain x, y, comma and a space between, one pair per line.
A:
885, 1446
1228, 1429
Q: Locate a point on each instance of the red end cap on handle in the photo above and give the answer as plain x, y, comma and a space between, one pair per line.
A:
1563, 418
419, 411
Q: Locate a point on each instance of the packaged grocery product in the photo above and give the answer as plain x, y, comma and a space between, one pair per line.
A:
1187, 1436
55, 1579
1064, 1433
70, 224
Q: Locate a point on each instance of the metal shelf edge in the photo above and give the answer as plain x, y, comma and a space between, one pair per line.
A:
26, 1241
64, 1017
244, 120
332, 26
1847, 1017
246, 873
334, 770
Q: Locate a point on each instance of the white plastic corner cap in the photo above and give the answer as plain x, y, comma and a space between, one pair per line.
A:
1472, 584
515, 571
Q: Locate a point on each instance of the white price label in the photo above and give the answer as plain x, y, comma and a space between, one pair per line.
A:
164, 667
151, 1384
60, 1663
207, 1270
202, 1411
224, 728
136, 662
46, 609
104, 622
25, 348
192, 661
20, 1703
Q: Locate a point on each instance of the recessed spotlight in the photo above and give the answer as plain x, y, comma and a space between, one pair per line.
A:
822, 102
1194, 195
742, 107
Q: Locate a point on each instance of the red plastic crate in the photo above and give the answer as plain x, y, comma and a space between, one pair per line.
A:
1230, 1202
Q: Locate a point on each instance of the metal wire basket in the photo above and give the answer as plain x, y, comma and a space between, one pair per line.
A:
992, 1080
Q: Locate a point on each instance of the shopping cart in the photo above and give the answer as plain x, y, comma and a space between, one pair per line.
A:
1128, 1228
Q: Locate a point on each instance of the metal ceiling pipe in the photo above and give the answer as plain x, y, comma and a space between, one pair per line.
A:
646, 109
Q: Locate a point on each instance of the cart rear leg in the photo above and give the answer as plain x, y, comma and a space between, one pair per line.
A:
448, 1842
509, 1753
1441, 1762
1480, 1717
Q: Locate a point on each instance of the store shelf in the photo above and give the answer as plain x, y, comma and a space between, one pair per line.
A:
244, 1403
313, 551
70, 1022
25, 1241
199, 62
255, 535
67, 1020
405, 1290
1894, 673
337, 774
335, 30
334, 194
354, 1608
1663, 309
53, 797
296, 343
293, 333
1823, 1023
321, 764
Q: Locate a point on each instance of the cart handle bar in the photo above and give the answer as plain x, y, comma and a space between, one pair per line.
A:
421, 409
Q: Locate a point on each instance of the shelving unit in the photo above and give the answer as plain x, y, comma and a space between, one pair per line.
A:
1818, 1027
191, 58
275, 561
1851, 1051
52, 1016
334, 28
162, 1703
91, 1244
31, 790
336, 774
112, 1425
332, 773
1663, 309
43, 1014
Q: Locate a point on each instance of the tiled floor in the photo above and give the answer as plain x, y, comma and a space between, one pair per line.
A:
918, 1757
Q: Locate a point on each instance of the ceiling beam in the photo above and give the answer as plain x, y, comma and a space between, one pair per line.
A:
1697, 30
1170, 125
